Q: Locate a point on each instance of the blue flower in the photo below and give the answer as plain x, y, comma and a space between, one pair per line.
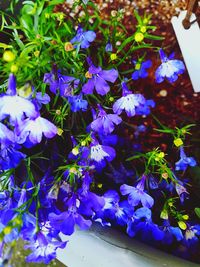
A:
128, 102
14, 106
99, 154
170, 232
114, 210
10, 157
6, 134
98, 79
169, 69
44, 248
184, 161
31, 130
90, 203
192, 234
139, 129
65, 221
57, 81
144, 108
109, 47
141, 69
137, 194
77, 103
181, 191
40, 99
83, 38
105, 123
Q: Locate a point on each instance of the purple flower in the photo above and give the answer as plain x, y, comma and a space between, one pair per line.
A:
10, 157
170, 232
114, 210
184, 161
98, 79
109, 47
90, 203
181, 191
83, 38
169, 69
137, 194
40, 99
192, 234
33, 129
6, 134
77, 103
44, 248
99, 154
57, 81
144, 108
65, 221
141, 69
139, 129
105, 123
14, 106
128, 102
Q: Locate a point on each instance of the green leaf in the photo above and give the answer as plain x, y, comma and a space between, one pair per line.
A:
137, 16
125, 42
134, 157
55, 2
197, 211
154, 37
5, 46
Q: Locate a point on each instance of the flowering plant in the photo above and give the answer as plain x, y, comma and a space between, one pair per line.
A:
67, 100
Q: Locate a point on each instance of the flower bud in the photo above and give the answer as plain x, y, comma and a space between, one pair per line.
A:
14, 68
178, 142
113, 56
68, 46
8, 56
182, 225
139, 37
88, 75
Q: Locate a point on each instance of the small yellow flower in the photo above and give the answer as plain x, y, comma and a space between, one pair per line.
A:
137, 66
99, 185
60, 131
113, 56
83, 143
36, 53
75, 151
88, 75
178, 142
185, 217
68, 46
143, 29
73, 170
7, 230
58, 112
8, 56
164, 215
139, 37
145, 21
17, 221
159, 156
14, 68
182, 225
164, 175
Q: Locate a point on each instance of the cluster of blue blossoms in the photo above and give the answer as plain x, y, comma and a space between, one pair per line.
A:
39, 212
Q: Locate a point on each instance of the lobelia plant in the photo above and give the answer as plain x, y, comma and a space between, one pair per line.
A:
63, 132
